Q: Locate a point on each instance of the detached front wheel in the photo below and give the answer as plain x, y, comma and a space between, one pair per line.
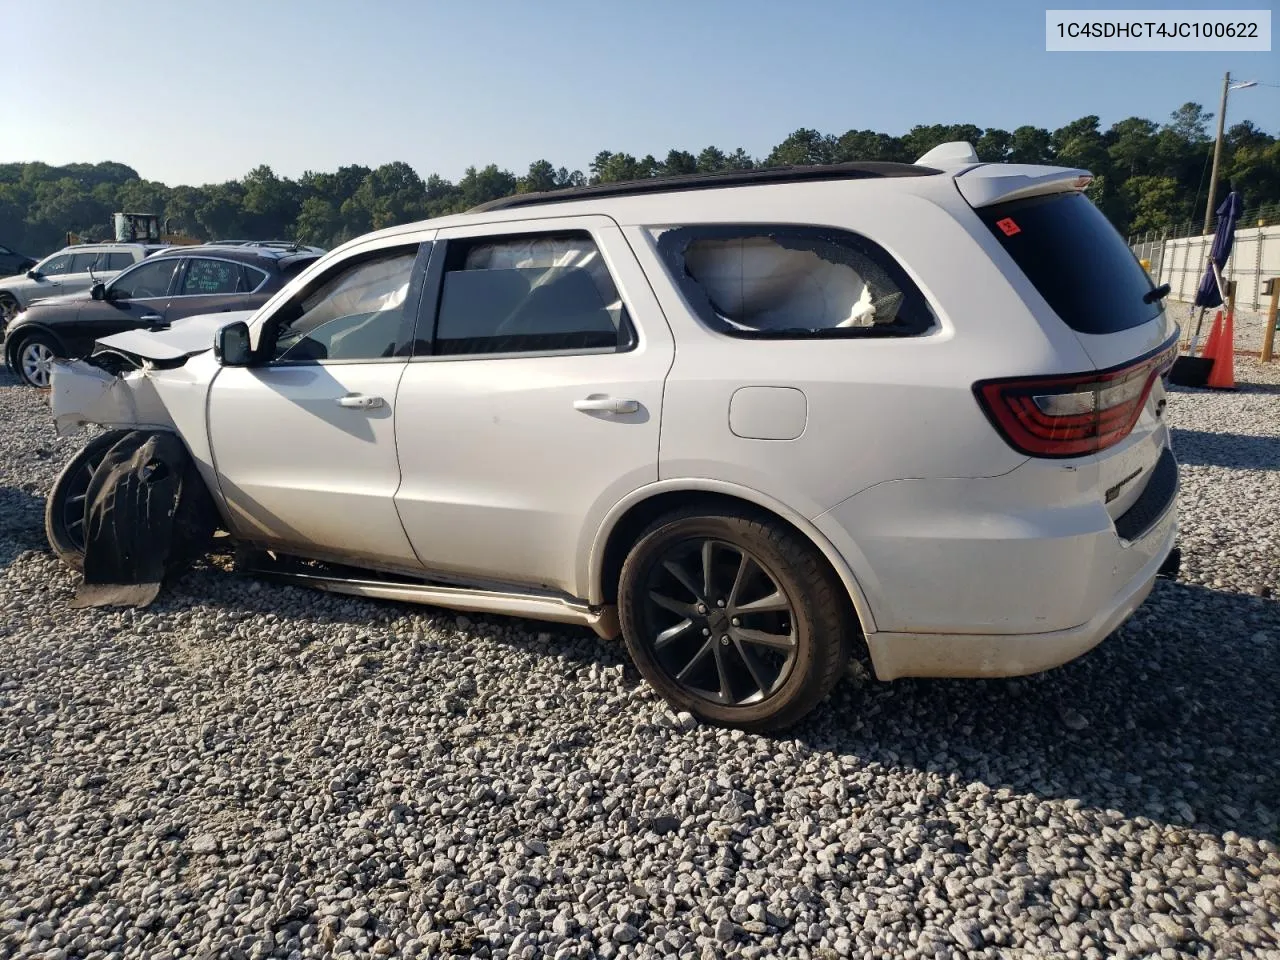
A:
64, 511
734, 618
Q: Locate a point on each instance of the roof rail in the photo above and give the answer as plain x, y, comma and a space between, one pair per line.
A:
707, 181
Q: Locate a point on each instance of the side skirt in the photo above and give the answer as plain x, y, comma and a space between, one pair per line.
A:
512, 603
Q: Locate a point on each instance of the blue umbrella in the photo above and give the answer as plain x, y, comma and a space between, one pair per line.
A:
1208, 294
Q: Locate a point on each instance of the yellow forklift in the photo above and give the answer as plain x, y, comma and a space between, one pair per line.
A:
145, 228
139, 228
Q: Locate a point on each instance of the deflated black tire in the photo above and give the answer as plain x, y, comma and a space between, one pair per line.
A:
64, 511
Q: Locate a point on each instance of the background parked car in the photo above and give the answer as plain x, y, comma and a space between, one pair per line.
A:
12, 262
70, 270
275, 244
177, 282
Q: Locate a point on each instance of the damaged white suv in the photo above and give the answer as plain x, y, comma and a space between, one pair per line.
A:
755, 422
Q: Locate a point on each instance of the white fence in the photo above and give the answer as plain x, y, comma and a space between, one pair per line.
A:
1255, 256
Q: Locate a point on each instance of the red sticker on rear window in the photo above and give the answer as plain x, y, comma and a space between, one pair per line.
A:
1008, 227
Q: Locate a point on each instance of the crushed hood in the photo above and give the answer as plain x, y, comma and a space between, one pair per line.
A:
184, 338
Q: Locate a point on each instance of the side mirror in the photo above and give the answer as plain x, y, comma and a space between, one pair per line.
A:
98, 291
34, 274
231, 345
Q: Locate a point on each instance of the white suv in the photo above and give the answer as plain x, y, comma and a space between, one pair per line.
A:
756, 422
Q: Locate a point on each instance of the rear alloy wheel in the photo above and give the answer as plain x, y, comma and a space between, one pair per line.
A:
734, 618
64, 511
9, 308
34, 359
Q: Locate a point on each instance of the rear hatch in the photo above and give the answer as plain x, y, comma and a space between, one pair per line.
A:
1089, 278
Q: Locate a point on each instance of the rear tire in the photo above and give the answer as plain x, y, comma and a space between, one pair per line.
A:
734, 617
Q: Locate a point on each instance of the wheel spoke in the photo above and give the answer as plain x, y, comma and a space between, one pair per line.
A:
775, 602
667, 603
708, 551
677, 571
738, 580
775, 641
697, 659
753, 668
726, 690
669, 634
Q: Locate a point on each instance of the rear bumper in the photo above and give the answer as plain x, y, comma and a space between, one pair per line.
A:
897, 655
1002, 576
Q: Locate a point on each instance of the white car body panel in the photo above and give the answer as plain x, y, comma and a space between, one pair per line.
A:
961, 555
295, 468
465, 497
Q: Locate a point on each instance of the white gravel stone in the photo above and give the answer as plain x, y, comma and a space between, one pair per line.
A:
246, 770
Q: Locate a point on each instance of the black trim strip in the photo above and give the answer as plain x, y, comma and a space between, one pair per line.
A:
1154, 500
704, 181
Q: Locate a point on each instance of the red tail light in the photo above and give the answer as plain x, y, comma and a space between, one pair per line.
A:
1076, 414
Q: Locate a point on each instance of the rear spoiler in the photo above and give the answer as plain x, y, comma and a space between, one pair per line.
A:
984, 184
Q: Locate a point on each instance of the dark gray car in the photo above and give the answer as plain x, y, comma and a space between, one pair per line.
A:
175, 283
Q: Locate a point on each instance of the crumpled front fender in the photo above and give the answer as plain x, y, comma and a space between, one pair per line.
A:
81, 394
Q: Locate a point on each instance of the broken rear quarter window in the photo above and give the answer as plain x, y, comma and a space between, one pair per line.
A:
791, 282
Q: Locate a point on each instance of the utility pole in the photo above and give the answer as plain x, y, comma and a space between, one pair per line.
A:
1217, 154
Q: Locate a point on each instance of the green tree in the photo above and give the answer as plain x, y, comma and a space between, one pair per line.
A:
866, 145
678, 162
1155, 203
800, 148
318, 222
712, 160
1031, 145
489, 183
994, 146
1132, 145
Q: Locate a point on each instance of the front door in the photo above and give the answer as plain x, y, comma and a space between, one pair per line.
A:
138, 298
533, 402
303, 440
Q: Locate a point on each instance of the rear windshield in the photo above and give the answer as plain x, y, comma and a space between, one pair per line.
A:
1076, 259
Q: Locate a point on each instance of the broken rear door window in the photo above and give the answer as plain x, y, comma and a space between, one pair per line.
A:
793, 282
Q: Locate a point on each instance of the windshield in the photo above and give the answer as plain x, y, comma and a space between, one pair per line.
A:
1076, 260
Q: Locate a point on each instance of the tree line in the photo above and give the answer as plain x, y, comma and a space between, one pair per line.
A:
1148, 176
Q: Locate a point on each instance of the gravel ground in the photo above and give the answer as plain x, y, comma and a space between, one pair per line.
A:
247, 770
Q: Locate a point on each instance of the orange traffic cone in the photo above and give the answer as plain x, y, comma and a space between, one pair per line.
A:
1222, 376
1215, 334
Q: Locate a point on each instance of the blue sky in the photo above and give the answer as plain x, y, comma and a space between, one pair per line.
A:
190, 92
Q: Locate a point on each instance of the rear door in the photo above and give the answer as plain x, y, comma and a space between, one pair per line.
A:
216, 285
533, 401
1091, 280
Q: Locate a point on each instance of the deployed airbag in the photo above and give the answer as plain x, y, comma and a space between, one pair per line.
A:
147, 513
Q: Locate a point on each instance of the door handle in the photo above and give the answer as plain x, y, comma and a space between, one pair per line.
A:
360, 402
606, 405
151, 317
